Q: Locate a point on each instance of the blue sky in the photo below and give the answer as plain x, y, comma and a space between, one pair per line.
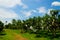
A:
23, 9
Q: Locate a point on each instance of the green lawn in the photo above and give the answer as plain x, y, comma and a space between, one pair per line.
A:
32, 36
9, 35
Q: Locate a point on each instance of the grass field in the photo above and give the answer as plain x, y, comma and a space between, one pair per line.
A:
11, 35
16, 35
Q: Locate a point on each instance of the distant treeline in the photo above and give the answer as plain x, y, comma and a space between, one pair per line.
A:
48, 23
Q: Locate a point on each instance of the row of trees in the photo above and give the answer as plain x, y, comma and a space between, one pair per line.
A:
49, 23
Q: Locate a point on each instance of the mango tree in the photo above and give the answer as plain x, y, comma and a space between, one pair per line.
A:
53, 23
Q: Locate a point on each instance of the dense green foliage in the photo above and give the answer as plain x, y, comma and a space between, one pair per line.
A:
46, 24
1, 26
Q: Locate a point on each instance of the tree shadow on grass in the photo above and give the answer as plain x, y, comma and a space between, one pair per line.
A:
50, 36
2, 33
57, 37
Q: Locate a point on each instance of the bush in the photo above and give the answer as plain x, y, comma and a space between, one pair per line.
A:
1, 26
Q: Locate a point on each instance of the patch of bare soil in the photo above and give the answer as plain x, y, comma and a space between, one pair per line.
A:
18, 37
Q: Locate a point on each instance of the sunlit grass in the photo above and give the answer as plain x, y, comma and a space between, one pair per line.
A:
9, 35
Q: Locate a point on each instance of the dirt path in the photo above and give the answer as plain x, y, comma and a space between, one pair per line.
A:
18, 37
14, 36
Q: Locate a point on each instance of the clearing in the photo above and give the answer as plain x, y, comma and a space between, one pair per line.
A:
11, 35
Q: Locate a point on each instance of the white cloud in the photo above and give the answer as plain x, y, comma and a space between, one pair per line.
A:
27, 13
12, 3
24, 6
34, 11
56, 3
42, 10
7, 14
